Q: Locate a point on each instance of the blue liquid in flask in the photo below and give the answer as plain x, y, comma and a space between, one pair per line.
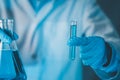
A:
7, 69
11, 67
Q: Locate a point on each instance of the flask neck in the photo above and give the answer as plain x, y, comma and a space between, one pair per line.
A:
6, 25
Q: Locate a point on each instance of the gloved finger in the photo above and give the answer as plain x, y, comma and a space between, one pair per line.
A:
4, 37
95, 61
12, 35
15, 36
93, 45
98, 63
89, 47
77, 41
89, 53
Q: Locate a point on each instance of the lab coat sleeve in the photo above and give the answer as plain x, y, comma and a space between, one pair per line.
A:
96, 23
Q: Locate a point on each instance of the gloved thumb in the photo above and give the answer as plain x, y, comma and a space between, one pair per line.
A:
77, 41
4, 37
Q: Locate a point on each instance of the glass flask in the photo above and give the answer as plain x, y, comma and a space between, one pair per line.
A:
11, 67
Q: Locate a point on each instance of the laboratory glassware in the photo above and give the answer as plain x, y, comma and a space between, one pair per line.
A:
73, 32
11, 67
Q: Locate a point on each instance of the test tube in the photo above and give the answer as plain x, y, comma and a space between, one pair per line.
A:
73, 31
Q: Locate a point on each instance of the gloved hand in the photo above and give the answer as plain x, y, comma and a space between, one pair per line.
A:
93, 50
5, 37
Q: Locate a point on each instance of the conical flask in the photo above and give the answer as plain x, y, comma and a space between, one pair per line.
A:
11, 67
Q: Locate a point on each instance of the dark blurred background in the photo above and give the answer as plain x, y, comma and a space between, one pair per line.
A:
112, 10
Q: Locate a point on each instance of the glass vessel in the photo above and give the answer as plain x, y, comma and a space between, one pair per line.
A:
73, 31
11, 67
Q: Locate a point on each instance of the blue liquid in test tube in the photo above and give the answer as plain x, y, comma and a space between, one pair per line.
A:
73, 31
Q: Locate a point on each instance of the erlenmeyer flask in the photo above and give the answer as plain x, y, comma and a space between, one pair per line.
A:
11, 67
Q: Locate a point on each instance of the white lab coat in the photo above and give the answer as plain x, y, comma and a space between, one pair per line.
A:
46, 33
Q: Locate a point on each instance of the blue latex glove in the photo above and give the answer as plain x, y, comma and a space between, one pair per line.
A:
5, 37
93, 50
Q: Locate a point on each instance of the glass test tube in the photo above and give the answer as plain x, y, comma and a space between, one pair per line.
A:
73, 31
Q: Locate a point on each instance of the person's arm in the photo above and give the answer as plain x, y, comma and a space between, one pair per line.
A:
96, 23
99, 48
